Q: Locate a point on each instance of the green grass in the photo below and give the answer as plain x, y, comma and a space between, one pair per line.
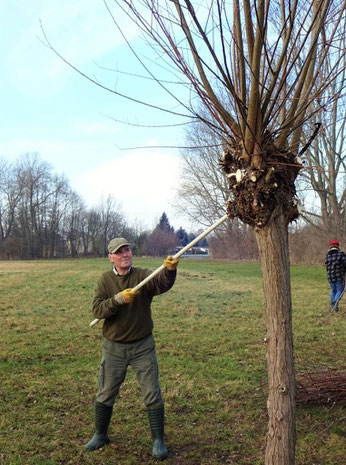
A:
209, 331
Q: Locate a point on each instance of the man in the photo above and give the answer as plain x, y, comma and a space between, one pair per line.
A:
128, 340
335, 262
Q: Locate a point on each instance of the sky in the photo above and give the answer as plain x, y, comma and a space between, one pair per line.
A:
48, 108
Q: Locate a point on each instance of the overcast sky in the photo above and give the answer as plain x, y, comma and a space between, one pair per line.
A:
46, 107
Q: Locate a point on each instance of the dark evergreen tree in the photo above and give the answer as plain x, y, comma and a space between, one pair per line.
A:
182, 236
164, 224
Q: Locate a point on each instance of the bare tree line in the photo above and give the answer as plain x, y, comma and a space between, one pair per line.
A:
42, 217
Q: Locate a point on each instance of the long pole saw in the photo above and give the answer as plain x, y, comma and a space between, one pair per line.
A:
177, 255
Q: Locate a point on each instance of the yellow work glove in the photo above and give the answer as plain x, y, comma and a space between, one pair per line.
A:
171, 263
124, 297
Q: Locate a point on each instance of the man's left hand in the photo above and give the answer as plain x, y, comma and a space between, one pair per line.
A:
171, 263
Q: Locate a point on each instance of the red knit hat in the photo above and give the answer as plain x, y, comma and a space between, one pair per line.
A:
337, 243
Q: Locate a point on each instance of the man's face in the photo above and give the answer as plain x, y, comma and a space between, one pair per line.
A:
122, 259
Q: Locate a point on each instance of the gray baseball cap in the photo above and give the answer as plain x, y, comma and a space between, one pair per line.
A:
116, 243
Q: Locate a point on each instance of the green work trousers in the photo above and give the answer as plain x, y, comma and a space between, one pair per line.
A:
116, 357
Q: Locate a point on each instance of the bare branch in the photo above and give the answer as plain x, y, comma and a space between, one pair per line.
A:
112, 91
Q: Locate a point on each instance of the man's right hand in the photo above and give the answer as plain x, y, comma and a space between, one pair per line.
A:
124, 297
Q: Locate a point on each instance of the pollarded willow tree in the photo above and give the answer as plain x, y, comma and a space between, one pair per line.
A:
254, 66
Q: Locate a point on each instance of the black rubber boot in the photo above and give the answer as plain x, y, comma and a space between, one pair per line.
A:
156, 417
103, 416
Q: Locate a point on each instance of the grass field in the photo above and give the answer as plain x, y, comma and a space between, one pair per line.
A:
209, 332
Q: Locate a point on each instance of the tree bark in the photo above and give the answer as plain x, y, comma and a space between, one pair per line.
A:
274, 252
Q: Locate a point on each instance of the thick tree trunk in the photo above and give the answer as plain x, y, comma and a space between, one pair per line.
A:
273, 246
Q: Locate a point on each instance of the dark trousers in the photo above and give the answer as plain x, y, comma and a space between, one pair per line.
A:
116, 357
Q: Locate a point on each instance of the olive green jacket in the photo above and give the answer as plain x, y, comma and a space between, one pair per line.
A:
132, 321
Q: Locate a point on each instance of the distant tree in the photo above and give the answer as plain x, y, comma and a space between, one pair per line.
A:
112, 222
40, 208
73, 224
324, 208
164, 224
33, 202
203, 191
10, 195
139, 244
160, 243
100, 224
237, 242
182, 236
56, 210
162, 240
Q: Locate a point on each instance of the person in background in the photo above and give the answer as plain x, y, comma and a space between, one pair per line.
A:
335, 262
128, 340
